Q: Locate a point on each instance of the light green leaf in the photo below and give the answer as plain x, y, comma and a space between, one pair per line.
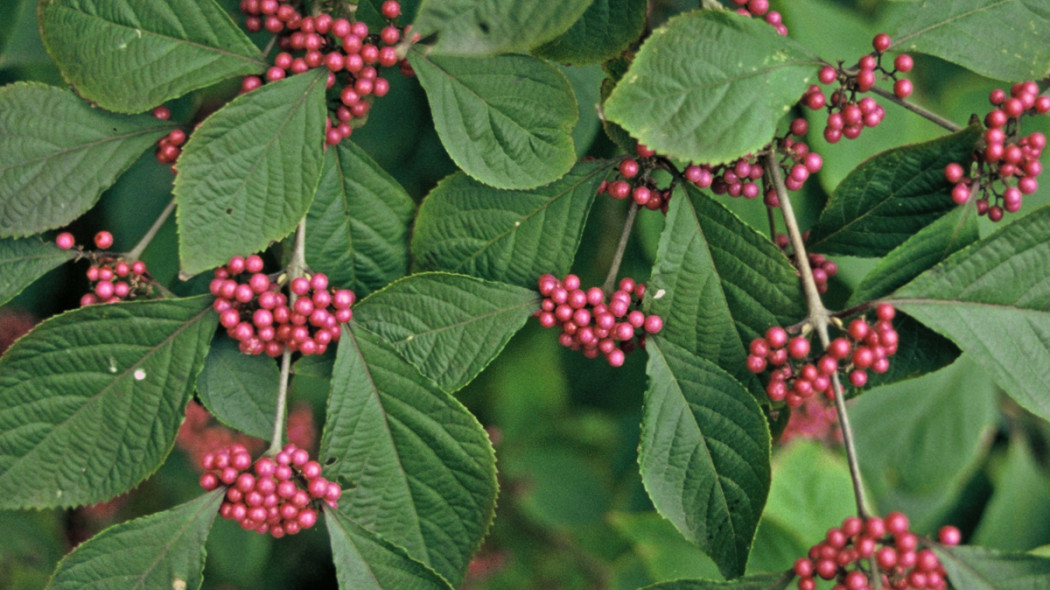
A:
1017, 516
704, 453
162, 550
466, 227
487, 27
239, 389
24, 261
130, 56
57, 155
417, 468
710, 86
248, 174
756, 582
981, 568
90, 400
506, 120
666, 555
604, 31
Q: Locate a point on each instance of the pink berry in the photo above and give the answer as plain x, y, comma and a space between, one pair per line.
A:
103, 240
65, 240
391, 9
881, 42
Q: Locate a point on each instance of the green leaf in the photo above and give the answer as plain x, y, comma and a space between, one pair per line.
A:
704, 453
57, 155
448, 326
162, 550
506, 120
487, 27
416, 466
240, 389
131, 56
1017, 516
717, 284
993, 300
91, 399
756, 582
688, 97
920, 350
604, 31
999, 39
980, 568
357, 227
667, 556
365, 561
24, 261
248, 174
466, 227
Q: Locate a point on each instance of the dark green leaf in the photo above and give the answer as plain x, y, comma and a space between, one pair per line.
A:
357, 227
449, 326
920, 350
704, 453
511, 236
57, 155
240, 389
688, 96
24, 261
417, 468
999, 39
248, 174
91, 399
604, 31
365, 561
487, 27
506, 121
993, 300
757, 582
980, 568
162, 550
130, 56
890, 197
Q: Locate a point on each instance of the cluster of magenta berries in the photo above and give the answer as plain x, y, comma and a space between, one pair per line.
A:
1006, 165
280, 496
636, 181
902, 563
761, 8
820, 266
593, 325
347, 49
258, 315
848, 116
794, 377
169, 147
112, 278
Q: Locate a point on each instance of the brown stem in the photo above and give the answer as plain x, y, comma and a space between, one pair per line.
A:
296, 268
911, 106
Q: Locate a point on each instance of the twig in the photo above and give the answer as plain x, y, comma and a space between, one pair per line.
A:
139, 248
911, 106
614, 268
296, 268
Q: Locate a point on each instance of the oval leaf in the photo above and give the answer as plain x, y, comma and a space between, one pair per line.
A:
57, 155
417, 467
130, 56
505, 120
240, 389
24, 261
449, 326
466, 227
470, 27
162, 550
248, 174
606, 29
981, 568
91, 399
689, 97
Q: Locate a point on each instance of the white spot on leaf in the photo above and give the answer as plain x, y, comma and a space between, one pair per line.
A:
659, 294
178, 584
517, 223
112, 365
139, 374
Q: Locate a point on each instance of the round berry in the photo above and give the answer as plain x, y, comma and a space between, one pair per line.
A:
391, 9
902, 88
65, 240
103, 240
881, 42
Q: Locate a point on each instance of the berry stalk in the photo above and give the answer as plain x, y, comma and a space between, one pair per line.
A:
296, 268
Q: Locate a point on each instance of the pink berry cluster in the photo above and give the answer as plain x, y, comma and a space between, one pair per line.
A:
1005, 166
261, 318
848, 116
591, 324
636, 181
280, 495
112, 278
815, 419
347, 49
819, 265
794, 377
761, 8
169, 147
902, 563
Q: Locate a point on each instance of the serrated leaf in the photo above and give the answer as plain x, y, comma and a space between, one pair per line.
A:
90, 400
506, 120
24, 261
756, 582
357, 227
131, 56
466, 227
890, 197
704, 453
981, 568
57, 155
604, 31
162, 550
718, 284
993, 300
999, 39
239, 389
448, 326
488, 27
416, 466
689, 96
365, 561
248, 174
